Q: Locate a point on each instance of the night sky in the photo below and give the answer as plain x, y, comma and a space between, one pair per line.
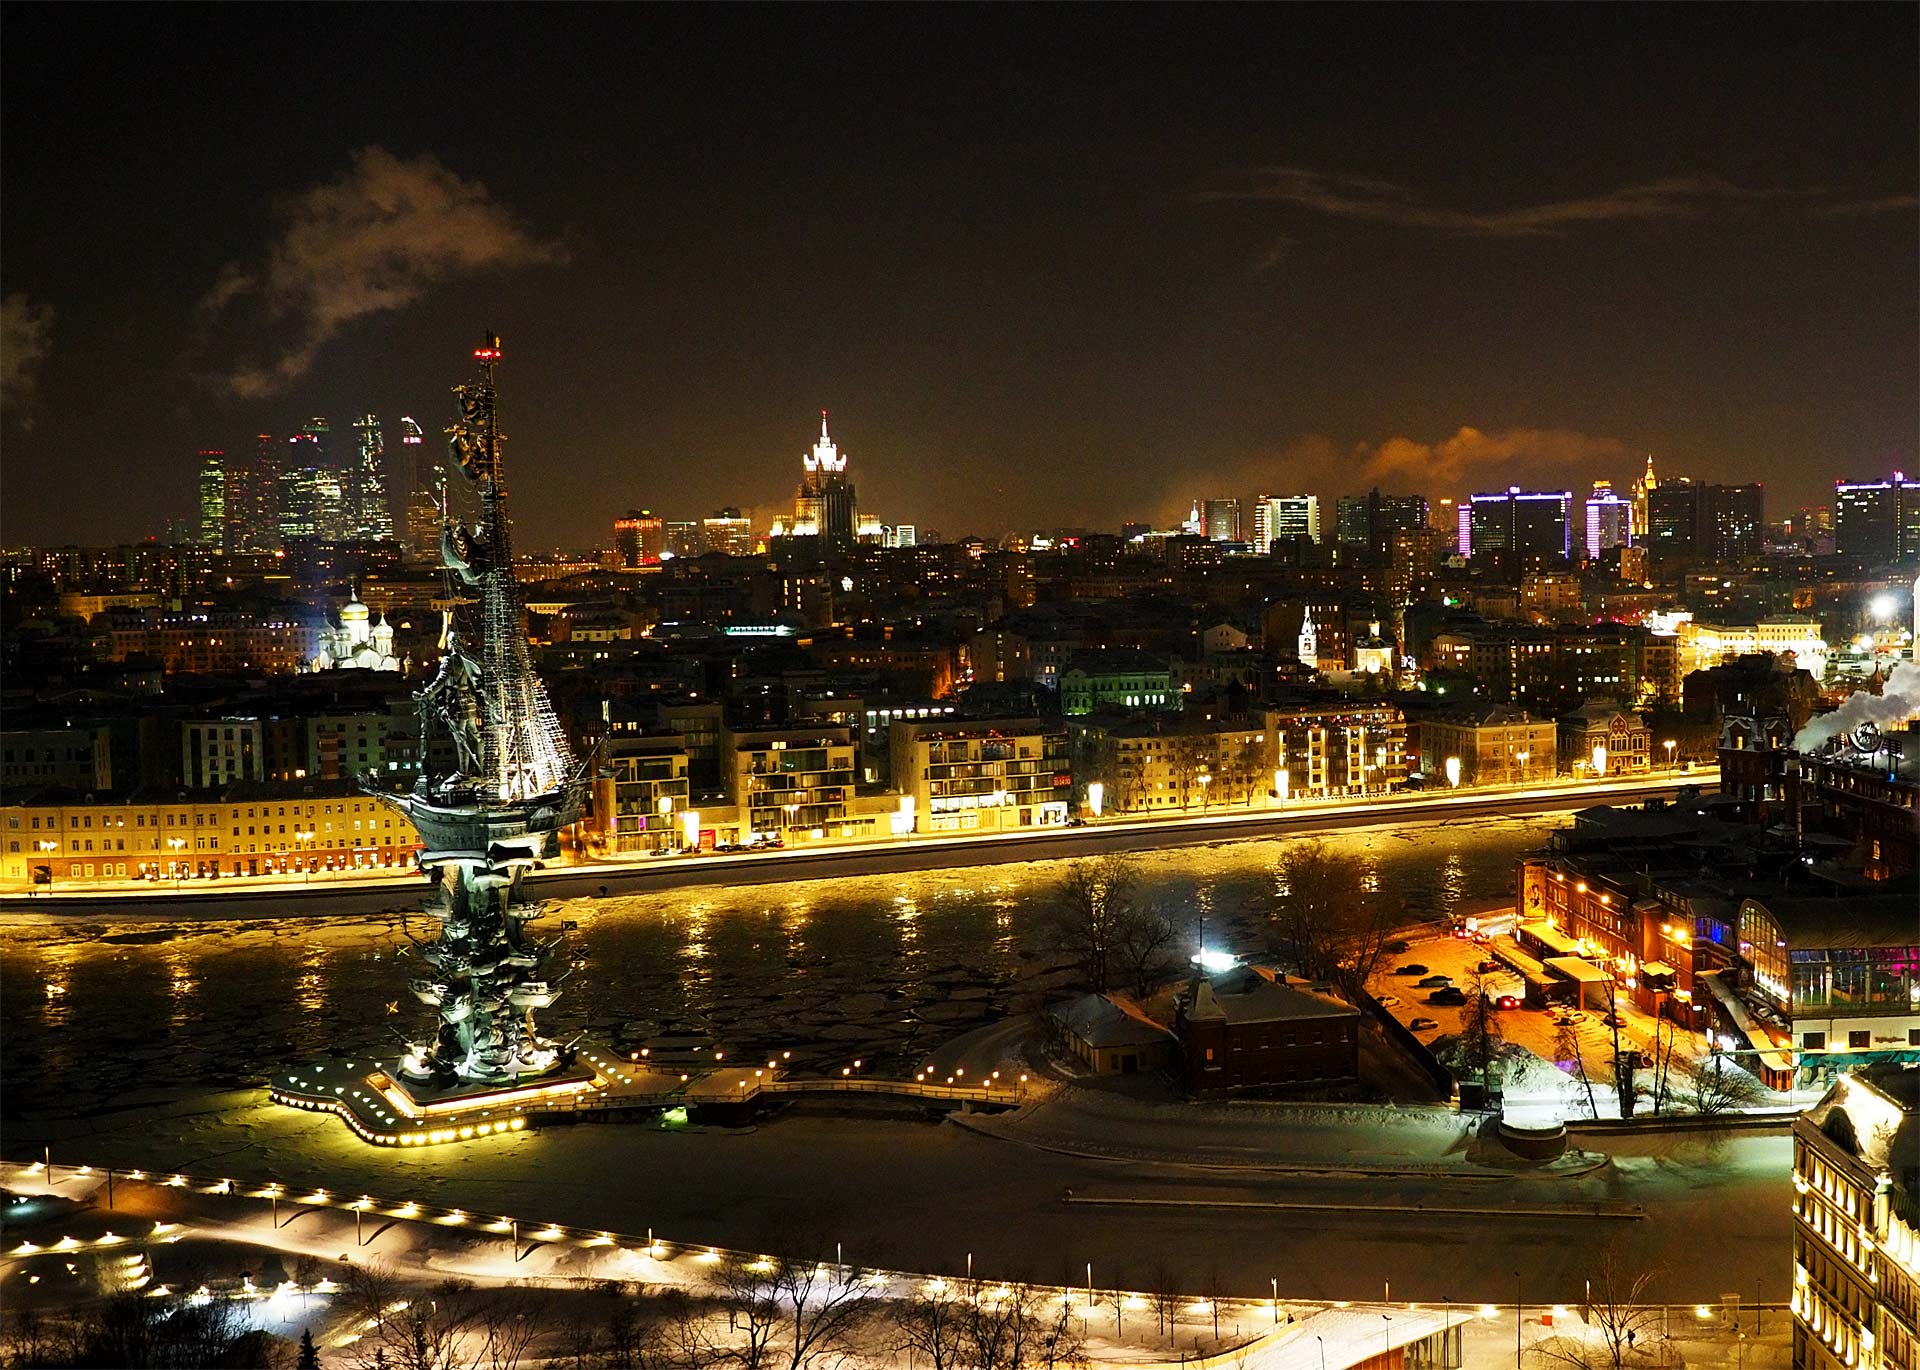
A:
1046, 267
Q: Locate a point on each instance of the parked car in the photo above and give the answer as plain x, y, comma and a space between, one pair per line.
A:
1448, 996
1436, 981
1570, 1018
1634, 1060
1486, 966
1389, 1001
1506, 1001
1614, 1020
1423, 1025
1396, 946
1411, 968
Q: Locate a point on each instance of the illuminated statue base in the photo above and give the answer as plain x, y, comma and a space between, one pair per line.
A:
385, 1108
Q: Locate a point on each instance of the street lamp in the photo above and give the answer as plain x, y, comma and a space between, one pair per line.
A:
175, 844
1669, 744
1096, 797
1600, 760
1205, 780
1518, 1319
1453, 772
1280, 784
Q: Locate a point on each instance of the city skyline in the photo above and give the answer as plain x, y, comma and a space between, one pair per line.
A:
1069, 301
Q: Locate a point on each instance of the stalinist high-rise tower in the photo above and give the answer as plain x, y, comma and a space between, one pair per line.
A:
826, 500
1643, 487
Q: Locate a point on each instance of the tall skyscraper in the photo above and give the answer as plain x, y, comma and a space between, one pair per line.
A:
683, 538
1526, 523
1877, 520
1365, 524
730, 532
826, 501
369, 517
1704, 522
1262, 524
1222, 518
1733, 521
429, 493
251, 491
1297, 516
639, 538
1642, 492
213, 499
313, 498
1609, 520
1284, 516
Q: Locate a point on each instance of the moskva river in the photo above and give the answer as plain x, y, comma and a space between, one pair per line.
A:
98, 1015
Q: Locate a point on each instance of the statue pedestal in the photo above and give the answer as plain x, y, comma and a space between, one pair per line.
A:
384, 1107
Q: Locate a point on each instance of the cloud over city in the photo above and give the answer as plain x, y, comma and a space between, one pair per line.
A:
373, 241
26, 337
1470, 459
1378, 201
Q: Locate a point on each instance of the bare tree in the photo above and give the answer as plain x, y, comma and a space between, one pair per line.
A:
675, 1340
1718, 1088
1622, 1068
753, 1309
580, 1346
1477, 1028
511, 1324
1618, 1310
409, 1330
1336, 930
1094, 900
1055, 1343
826, 1303
1664, 1033
1249, 769
933, 1324
1566, 1047
1143, 949
35, 1339
1165, 1299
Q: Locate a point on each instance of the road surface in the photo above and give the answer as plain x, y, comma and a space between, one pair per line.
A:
914, 1195
268, 897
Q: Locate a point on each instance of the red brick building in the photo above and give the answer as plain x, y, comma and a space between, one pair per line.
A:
1245, 1030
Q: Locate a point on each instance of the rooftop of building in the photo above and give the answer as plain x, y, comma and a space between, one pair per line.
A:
1600, 711
950, 729
1844, 918
1109, 1020
1243, 996
1873, 1114
1482, 714
1119, 661
133, 796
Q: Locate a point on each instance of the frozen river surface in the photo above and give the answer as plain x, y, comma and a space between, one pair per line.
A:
96, 1016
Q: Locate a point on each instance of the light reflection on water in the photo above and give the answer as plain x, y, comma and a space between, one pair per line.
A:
883, 967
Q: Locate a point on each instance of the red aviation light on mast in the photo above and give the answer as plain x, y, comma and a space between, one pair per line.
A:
489, 349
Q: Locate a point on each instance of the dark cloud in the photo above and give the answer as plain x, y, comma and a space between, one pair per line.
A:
26, 337
373, 241
1377, 201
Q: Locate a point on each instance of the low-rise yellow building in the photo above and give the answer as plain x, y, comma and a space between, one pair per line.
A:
246, 829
